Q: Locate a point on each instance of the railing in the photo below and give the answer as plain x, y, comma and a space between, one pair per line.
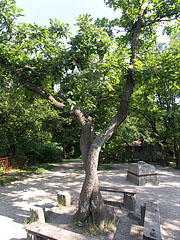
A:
9, 163
4, 164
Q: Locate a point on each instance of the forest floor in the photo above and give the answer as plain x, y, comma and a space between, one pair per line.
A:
41, 190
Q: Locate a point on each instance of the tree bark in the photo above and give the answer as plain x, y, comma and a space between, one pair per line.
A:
91, 203
91, 206
178, 154
177, 150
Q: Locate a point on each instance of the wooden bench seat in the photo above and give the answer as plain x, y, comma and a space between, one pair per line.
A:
152, 230
38, 230
117, 191
129, 199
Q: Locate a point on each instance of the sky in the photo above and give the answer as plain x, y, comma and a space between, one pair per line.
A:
40, 11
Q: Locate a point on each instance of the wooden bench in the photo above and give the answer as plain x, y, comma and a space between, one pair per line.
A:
38, 231
152, 229
129, 199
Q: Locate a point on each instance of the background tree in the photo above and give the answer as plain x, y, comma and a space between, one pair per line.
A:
158, 102
36, 57
22, 127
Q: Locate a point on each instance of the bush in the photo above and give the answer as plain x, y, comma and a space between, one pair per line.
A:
49, 153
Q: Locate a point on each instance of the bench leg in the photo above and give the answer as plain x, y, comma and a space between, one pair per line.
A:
142, 209
129, 201
33, 237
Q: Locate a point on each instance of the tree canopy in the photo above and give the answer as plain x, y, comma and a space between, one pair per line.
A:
91, 76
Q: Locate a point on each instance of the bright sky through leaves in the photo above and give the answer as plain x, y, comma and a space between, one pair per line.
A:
40, 11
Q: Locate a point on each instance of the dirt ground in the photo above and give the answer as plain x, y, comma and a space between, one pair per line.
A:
41, 190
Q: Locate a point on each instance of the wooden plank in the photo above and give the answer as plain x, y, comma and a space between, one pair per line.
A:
117, 191
152, 229
50, 232
113, 203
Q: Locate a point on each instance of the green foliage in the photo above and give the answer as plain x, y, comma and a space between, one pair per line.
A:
156, 10
65, 133
22, 127
156, 13
106, 168
9, 12
156, 99
133, 128
48, 153
90, 70
89, 41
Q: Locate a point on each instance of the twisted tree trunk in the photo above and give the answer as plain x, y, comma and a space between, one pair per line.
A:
91, 205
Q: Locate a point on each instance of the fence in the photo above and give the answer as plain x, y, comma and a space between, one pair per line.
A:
9, 163
4, 164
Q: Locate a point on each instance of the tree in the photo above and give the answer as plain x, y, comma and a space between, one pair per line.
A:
68, 140
37, 57
22, 126
158, 103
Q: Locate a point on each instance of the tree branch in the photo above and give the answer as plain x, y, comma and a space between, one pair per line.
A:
136, 32
128, 88
159, 21
32, 87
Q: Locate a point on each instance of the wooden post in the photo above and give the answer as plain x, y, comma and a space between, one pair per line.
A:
6, 164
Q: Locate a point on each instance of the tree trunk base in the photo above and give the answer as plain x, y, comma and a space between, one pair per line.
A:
101, 219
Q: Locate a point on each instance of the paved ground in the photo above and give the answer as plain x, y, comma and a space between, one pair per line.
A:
17, 198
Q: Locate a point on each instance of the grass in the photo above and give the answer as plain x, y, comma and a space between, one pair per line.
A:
19, 174
106, 167
71, 160
172, 164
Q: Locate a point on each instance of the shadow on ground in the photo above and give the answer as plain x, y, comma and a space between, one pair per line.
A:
18, 197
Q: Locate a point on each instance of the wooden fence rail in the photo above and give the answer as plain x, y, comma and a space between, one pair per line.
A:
9, 163
4, 164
